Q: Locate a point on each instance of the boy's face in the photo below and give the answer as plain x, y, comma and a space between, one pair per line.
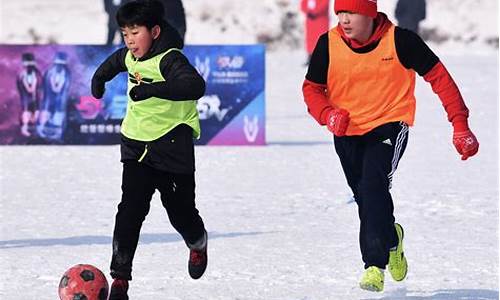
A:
139, 39
356, 26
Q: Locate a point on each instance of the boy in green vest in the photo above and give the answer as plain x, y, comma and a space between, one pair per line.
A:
157, 148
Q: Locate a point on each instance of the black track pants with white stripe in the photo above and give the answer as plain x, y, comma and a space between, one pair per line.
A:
369, 162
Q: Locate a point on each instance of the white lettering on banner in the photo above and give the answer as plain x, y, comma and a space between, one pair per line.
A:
84, 128
100, 128
251, 128
209, 106
235, 62
230, 74
203, 67
230, 77
92, 128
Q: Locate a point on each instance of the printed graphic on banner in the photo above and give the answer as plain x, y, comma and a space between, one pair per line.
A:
234, 77
46, 97
250, 120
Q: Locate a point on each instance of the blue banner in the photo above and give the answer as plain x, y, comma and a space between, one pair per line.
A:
48, 100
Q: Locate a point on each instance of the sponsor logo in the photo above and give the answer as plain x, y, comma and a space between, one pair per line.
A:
388, 142
228, 71
235, 62
203, 66
251, 128
89, 107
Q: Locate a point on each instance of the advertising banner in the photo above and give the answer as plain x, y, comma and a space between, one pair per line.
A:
45, 95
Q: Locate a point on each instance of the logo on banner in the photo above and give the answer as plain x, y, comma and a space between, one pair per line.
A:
209, 106
118, 107
89, 107
251, 128
203, 67
235, 62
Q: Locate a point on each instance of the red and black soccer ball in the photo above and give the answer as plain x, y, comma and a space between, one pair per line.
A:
83, 282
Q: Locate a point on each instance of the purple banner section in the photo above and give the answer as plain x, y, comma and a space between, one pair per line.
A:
45, 95
246, 128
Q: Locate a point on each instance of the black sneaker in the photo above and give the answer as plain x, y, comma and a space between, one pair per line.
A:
119, 289
198, 258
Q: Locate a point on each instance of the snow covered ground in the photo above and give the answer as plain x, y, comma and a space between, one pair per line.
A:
279, 223
278, 216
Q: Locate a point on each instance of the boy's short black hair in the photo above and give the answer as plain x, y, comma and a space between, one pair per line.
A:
147, 13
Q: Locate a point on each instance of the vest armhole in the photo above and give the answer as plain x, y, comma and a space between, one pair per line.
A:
162, 55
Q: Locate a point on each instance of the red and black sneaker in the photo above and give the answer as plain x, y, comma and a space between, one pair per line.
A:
198, 258
119, 289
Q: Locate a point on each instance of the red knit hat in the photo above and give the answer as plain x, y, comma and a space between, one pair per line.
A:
362, 7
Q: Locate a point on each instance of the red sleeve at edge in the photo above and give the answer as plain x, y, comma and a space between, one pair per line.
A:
316, 101
444, 86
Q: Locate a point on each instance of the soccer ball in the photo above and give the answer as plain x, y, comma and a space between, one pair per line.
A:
83, 282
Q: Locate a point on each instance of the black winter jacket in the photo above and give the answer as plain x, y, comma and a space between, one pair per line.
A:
175, 15
410, 12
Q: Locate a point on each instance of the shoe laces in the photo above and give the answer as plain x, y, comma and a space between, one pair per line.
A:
374, 274
197, 257
397, 257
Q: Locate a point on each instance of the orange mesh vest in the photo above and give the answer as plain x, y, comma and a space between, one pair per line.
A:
374, 87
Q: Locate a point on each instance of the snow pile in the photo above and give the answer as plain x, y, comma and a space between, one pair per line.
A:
279, 221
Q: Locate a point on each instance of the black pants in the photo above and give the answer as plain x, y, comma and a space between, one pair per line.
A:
369, 162
138, 185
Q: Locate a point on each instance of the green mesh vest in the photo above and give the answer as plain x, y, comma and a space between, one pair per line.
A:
151, 118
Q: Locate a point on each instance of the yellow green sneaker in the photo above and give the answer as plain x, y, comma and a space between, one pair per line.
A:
398, 266
372, 280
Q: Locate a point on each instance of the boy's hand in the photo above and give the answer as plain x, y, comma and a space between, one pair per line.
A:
140, 92
337, 121
463, 139
466, 143
97, 87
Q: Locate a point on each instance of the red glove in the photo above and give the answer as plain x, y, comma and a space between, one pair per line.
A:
464, 140
337, 120
466, 143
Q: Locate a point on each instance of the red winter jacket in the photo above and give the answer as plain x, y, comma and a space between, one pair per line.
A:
317, 20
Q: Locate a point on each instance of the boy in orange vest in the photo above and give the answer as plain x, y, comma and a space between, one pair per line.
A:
360, 84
